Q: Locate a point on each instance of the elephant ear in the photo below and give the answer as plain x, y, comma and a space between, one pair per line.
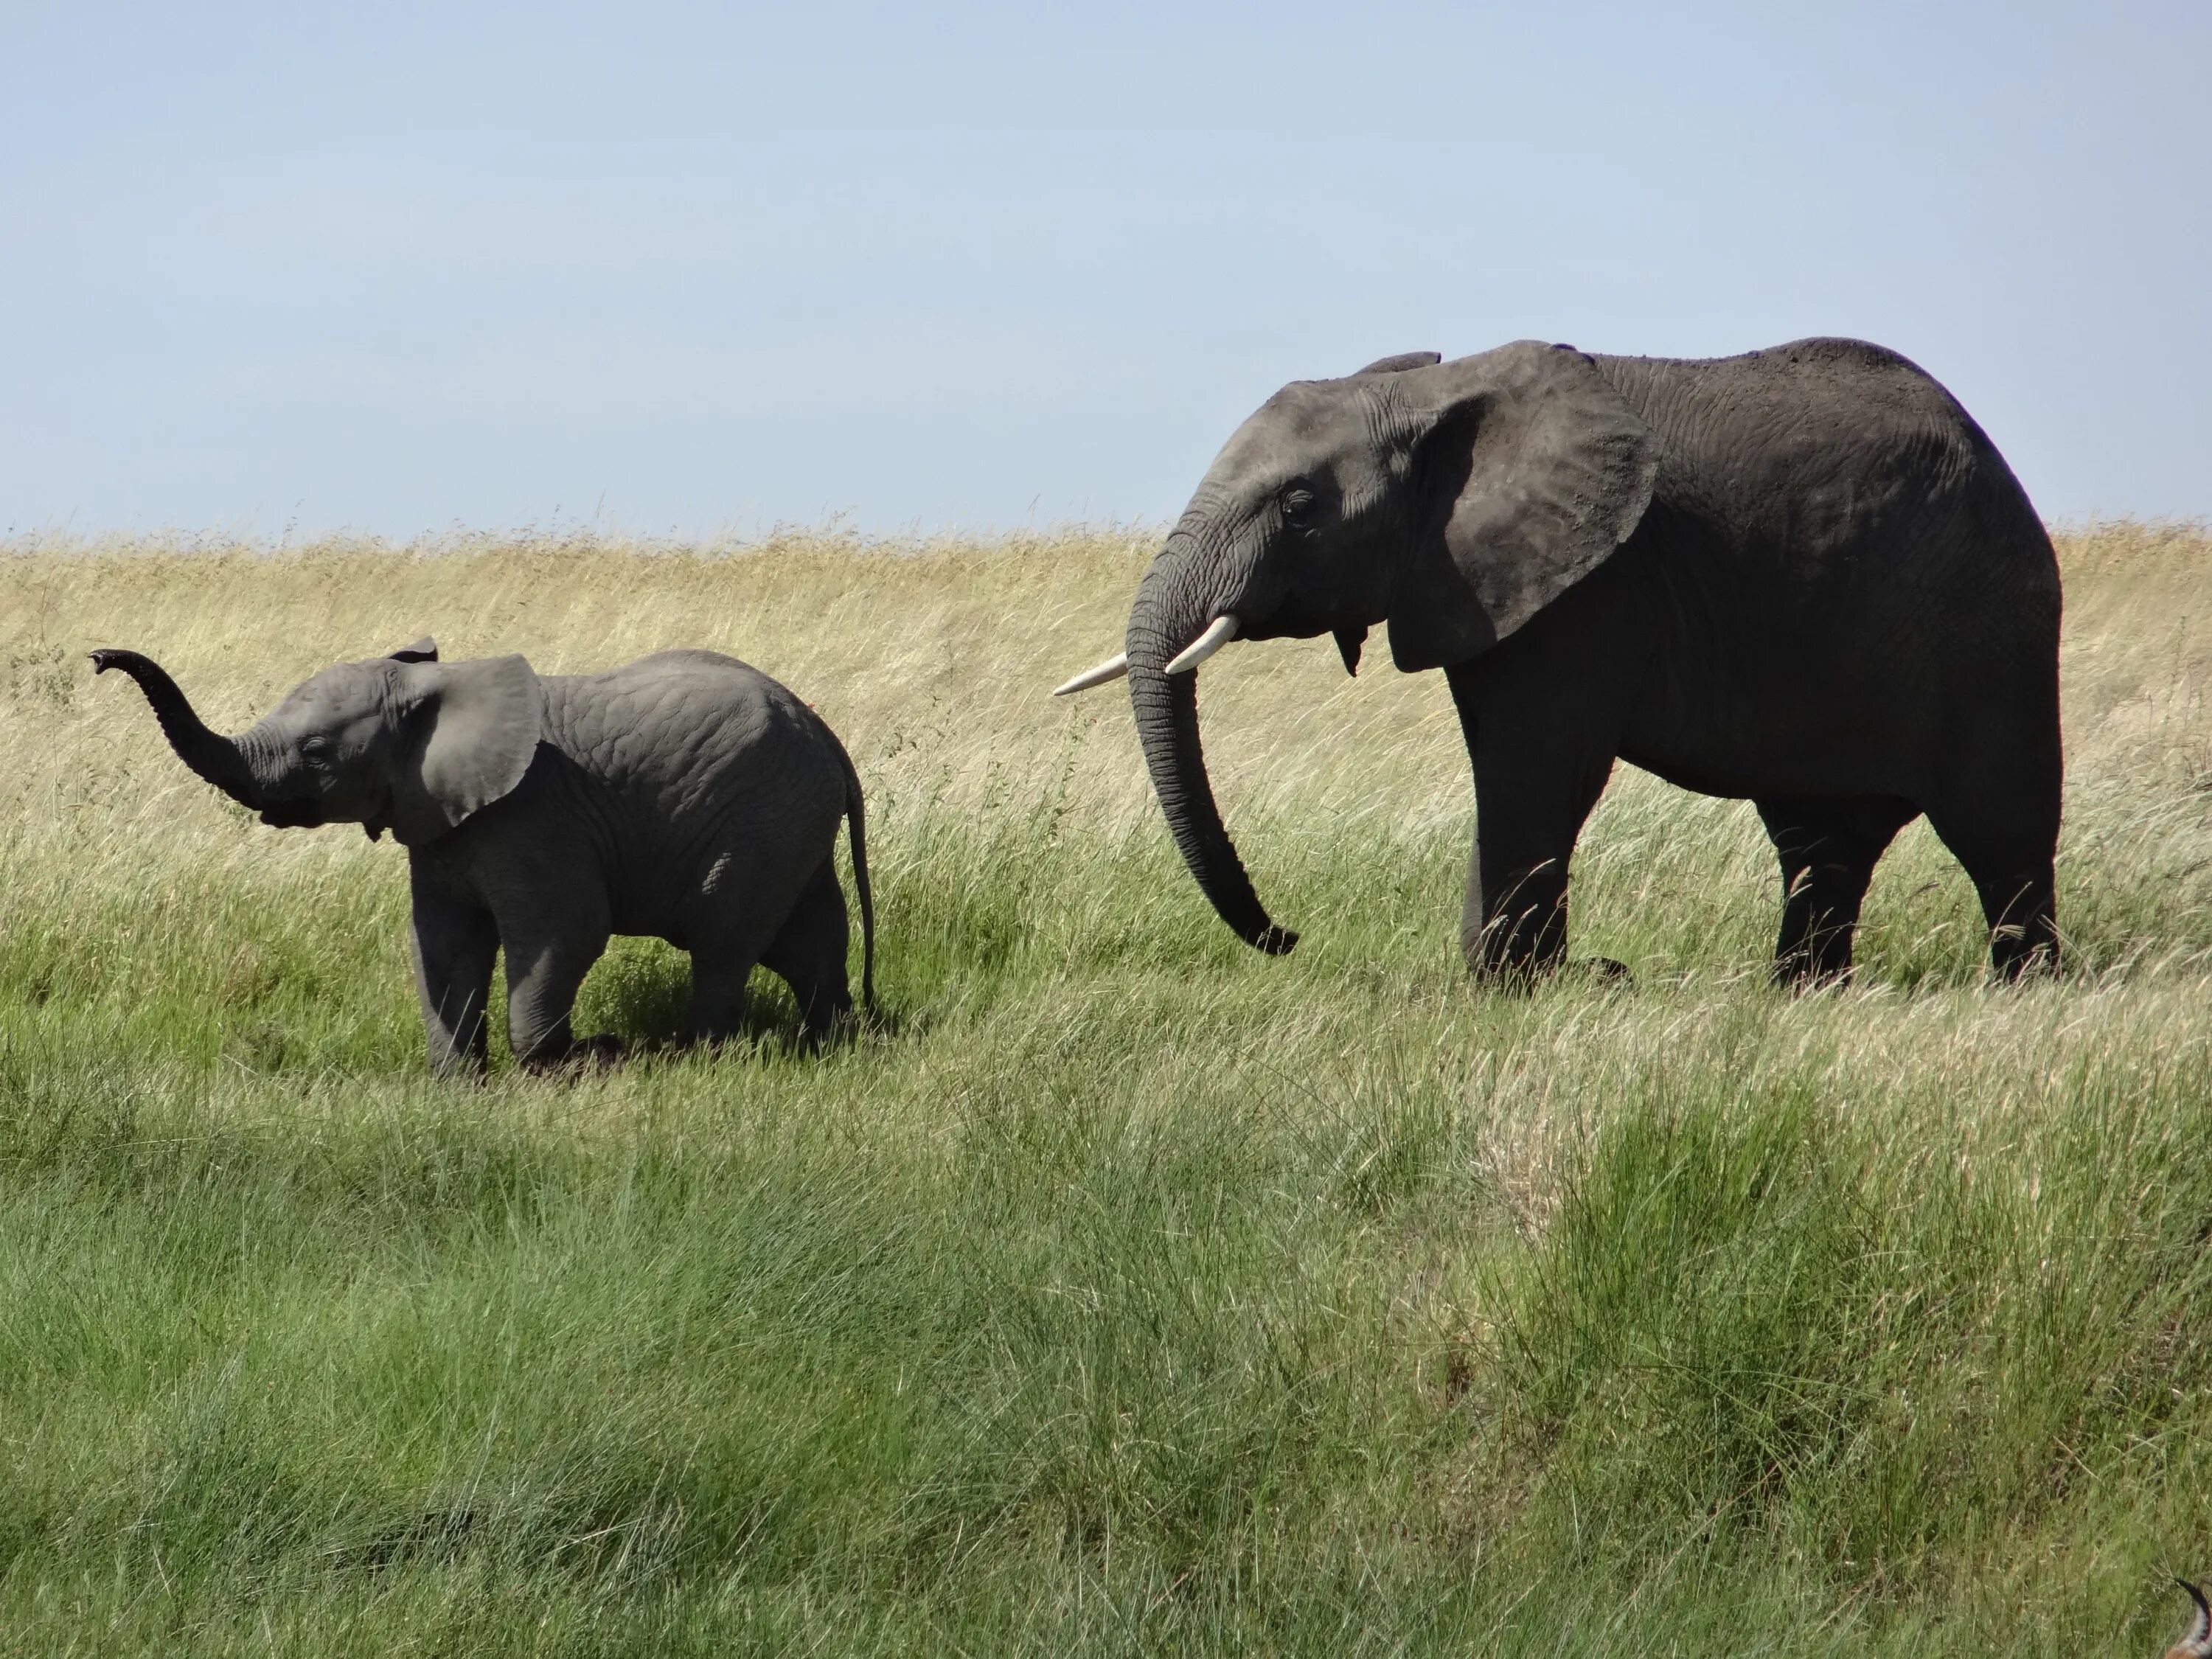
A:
472, 728
424, 650
1535, 470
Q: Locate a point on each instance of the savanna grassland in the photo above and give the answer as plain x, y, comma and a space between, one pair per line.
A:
1122, 1290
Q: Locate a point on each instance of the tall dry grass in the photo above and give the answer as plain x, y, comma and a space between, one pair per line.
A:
929, 656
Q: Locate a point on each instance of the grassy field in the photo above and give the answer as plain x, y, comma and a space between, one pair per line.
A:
1125, 1291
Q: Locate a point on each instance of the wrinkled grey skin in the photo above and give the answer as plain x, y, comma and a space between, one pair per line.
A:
683, 796
1803, 576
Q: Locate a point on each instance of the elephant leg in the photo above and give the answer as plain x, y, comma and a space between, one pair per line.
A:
1999, 816
808, 954
454, 943
1513, 921
1828, 850
1536, 779
2011, 869
719, 977
546, 961
726, 940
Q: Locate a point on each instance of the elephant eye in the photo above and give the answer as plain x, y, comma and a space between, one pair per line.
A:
1297, 502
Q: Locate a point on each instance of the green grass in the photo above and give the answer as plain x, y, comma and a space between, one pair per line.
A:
1124, 1291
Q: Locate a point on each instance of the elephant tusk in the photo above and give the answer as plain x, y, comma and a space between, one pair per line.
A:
1217, 633
1112, 669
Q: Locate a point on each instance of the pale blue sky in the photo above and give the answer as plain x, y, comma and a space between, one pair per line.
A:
392, 268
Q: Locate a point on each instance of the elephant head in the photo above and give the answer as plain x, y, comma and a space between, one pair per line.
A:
403, 743
1452, 500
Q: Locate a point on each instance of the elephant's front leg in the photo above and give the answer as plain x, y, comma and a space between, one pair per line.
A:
454, 943
1536, 778
1513, 922
548, 951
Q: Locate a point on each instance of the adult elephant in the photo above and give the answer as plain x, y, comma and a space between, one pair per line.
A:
1803, 576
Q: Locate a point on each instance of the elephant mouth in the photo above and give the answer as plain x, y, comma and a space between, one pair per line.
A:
295, 815
1291, 619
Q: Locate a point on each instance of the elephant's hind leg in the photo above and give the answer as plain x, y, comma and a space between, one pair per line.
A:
737, 914
724, 944
808, 954
719, 973
2011, 868
1999, 816
1828, 850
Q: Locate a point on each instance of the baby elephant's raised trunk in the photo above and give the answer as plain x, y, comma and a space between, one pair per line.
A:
213, 757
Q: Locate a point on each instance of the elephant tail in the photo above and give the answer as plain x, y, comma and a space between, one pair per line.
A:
856, 812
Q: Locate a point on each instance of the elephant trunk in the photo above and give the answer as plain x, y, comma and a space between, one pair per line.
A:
218, 759
1174, 604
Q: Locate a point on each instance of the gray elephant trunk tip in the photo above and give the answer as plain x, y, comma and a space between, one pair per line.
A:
217, 759
1182, 614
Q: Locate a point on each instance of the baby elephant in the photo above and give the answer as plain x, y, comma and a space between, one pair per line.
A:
685, 796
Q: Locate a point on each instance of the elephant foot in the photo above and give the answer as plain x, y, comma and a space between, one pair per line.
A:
602, 1053
833, 1030
1526, 977
2013, 960
1799, 976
